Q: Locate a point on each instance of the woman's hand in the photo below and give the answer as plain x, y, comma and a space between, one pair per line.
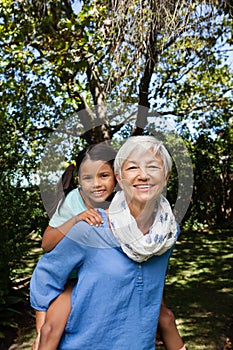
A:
91, 216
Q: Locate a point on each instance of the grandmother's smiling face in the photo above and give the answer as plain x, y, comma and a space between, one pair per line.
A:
142, 176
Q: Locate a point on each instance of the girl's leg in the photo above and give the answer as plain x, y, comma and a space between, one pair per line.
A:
40, 320
168, 330
55, 322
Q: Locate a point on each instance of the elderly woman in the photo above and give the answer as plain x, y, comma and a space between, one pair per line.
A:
116, 302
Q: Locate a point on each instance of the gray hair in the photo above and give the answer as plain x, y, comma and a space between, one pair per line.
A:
142, 144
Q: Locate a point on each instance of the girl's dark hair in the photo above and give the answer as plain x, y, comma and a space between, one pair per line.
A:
100, 151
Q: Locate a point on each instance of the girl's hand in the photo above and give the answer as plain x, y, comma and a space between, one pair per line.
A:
91, 216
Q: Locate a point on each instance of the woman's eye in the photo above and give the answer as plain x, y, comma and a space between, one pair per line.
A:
153, 167
133, 167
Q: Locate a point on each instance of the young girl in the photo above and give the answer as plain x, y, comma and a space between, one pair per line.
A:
94, 168
96, 185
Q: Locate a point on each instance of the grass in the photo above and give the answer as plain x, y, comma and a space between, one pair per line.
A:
199, 290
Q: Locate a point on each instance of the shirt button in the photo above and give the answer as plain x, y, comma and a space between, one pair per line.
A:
139, 266
139, 277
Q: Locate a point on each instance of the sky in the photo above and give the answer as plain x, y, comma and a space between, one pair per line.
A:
77, 5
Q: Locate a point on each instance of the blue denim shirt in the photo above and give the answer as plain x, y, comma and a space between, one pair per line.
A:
116, 302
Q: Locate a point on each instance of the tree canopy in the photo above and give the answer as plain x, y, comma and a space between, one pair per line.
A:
166, 55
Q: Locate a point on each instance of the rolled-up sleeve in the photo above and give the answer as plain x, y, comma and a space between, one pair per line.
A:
53, 269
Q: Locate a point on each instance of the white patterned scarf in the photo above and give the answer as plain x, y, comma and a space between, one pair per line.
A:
139, 247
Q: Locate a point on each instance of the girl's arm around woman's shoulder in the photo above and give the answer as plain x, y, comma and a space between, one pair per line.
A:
53, 235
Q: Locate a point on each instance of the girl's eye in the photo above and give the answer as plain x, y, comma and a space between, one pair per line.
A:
105, 175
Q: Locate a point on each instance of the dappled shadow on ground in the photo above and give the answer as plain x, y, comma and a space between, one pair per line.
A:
200, 288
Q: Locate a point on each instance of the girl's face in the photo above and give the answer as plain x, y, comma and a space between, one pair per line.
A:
97, 182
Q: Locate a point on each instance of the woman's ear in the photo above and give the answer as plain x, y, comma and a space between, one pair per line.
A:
167, 178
